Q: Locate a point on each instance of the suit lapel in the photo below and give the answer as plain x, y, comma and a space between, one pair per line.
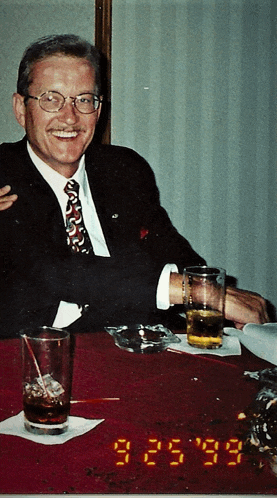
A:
37, 197
101, 198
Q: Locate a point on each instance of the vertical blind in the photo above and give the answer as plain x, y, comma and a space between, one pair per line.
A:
194, 92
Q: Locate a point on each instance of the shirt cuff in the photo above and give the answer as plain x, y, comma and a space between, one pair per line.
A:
162, 296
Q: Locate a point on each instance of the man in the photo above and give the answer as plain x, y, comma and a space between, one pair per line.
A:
122, 264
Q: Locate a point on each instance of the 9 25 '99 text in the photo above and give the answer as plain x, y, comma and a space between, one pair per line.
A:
211, 447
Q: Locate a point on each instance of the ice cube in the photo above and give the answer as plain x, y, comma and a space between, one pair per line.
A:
53, 387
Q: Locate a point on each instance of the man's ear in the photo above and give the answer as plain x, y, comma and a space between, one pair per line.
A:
19, 109
99, 111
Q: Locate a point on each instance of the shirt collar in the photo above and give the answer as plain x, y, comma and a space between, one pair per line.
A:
55, 179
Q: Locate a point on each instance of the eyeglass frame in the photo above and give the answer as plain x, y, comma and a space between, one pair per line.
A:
99, 99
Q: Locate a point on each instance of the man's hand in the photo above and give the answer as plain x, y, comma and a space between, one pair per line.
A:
243, 307
6, 201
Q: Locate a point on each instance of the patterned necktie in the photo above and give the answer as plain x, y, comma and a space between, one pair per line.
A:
77, 236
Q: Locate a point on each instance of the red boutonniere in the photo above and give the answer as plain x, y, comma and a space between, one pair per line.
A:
143, 233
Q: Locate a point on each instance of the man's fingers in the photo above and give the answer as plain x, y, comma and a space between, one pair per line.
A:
5, 205
6, 200
243, 307
5, 190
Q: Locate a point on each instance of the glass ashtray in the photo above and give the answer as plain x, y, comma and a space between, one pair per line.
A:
142, 338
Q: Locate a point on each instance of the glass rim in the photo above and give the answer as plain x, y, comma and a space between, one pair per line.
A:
204, 270
33, 333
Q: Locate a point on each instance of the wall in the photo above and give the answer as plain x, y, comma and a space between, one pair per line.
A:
22, 22
194, 92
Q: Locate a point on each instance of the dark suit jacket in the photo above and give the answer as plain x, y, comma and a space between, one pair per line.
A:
37, 267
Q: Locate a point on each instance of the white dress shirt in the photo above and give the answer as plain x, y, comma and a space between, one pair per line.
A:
69, 312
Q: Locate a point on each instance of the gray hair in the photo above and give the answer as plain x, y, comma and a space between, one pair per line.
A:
69, 45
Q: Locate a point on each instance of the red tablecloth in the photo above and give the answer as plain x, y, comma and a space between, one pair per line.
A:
173, 431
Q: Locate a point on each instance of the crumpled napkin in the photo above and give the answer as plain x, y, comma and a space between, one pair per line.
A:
261, 340
230, 347
76, 427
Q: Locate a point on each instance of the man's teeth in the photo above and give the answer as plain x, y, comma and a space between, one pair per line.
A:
65, 134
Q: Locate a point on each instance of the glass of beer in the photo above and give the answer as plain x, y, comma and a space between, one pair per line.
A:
47, 375
204, 299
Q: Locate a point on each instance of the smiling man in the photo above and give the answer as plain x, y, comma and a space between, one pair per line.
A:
84, 240
59, 137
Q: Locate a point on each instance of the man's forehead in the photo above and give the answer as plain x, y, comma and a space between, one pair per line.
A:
60, 58
56, 64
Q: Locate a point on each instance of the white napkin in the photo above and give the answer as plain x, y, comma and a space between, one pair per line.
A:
77, 426
259, 339
230, 347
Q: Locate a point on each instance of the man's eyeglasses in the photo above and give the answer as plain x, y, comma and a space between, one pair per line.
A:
86, 103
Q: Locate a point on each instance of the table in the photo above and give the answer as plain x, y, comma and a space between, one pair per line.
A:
174, 429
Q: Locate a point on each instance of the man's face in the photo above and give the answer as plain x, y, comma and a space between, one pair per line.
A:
59, 138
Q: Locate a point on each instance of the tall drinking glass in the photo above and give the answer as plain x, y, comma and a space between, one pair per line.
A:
204, 299
47, 374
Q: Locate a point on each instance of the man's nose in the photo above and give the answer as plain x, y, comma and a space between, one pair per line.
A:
69, 112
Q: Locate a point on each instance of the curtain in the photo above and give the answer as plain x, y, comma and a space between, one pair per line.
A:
194, 92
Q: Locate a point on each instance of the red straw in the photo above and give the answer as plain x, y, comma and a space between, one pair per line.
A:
99, 400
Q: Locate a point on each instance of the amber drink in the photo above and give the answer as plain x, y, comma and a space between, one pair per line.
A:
204, 297
46, 380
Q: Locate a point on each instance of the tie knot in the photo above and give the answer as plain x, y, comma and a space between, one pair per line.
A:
72, 186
